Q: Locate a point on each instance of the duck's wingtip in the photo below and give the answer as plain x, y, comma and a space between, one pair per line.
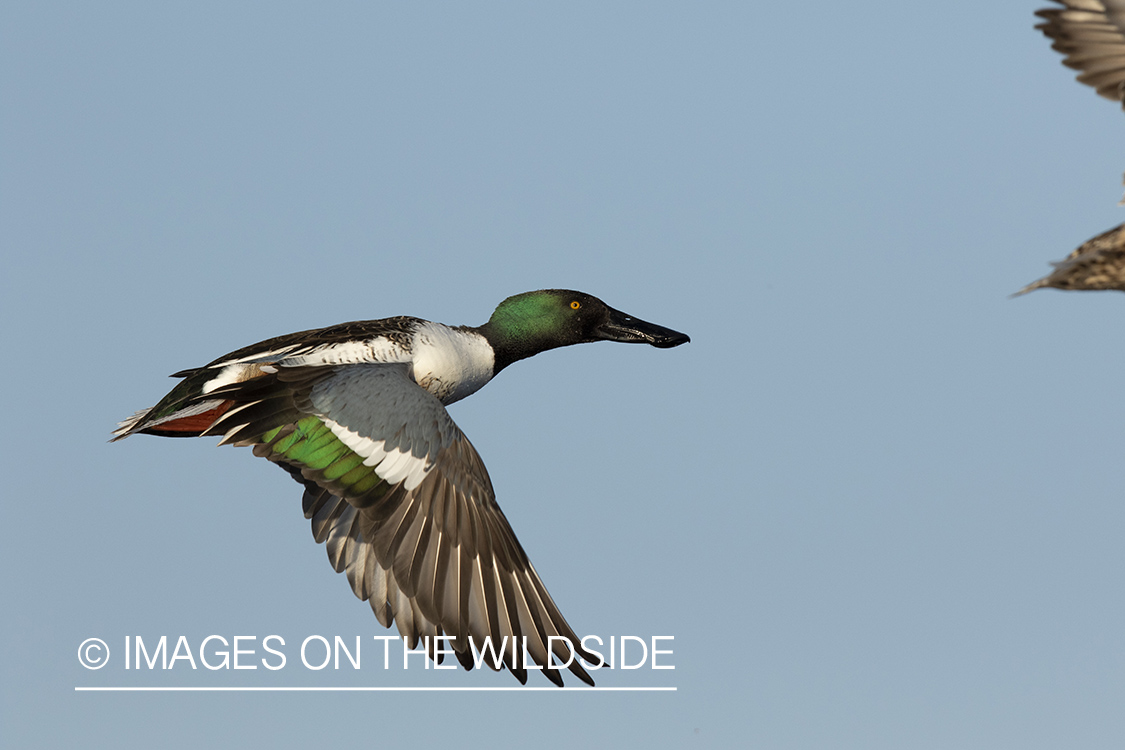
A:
1027, 289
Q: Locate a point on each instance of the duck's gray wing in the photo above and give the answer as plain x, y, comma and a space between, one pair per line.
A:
405, 506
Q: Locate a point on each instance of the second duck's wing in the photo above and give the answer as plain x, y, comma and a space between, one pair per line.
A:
1091, 36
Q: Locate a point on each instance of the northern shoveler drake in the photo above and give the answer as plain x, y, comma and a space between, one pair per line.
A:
1090, 34
356, 413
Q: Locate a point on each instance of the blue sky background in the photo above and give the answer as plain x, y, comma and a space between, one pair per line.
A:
876, 502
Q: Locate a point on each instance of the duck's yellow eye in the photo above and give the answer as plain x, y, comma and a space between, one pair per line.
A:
575, 305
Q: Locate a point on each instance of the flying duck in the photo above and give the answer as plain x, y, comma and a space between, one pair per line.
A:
356, 413
1091, 36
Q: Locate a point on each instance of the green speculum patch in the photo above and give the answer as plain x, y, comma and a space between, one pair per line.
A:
312, 444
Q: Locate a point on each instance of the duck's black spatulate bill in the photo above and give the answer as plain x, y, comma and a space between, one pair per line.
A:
629, 330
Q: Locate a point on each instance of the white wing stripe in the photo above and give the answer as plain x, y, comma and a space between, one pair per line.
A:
394, 466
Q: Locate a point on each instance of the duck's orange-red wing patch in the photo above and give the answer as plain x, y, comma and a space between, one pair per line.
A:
190, 426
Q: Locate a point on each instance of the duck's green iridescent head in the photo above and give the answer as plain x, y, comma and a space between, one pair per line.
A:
532, 322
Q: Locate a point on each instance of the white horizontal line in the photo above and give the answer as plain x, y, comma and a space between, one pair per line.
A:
368, 689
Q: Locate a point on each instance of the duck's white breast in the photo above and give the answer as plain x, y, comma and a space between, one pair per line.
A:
451, 364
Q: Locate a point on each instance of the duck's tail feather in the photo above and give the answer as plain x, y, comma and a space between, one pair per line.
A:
182, 413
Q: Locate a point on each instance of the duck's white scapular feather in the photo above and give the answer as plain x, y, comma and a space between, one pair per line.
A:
450, 363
